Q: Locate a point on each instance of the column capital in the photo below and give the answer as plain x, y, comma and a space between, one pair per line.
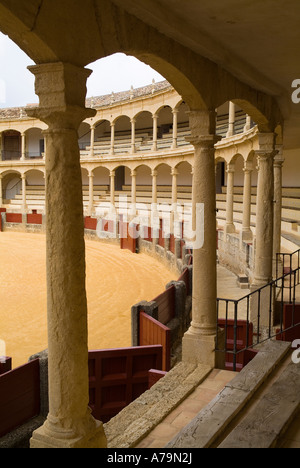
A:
154, 116
112, 173
174, 171
154, 173
133, 173
203, 128
266, 143
61, 88
248, 166
91, 174
175, 111
230, 168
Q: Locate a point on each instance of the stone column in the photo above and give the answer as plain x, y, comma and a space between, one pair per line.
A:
133, 193
154, 190
155, 120
61, 88
112, 139
248, 124
231, 120
92, 141
1, 146
278, 163
91, 193
199, 342
264, 210
112, 190
1, 191
174, 198
246, 234
230, 228
24, 202
175, 128
23, 146
133, 121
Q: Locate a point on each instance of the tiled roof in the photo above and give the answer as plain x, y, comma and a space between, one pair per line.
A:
99, 101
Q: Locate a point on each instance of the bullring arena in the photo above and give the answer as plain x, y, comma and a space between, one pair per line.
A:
183, 336
110, 297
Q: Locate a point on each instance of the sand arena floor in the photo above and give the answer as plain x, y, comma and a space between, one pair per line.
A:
128, 279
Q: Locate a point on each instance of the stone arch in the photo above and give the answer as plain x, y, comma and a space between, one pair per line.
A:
11, 144
144, 126
185, 177
35, 142
164, 177
11, 184
101, 177
143, 175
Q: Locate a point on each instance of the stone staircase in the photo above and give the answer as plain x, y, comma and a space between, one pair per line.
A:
259, 408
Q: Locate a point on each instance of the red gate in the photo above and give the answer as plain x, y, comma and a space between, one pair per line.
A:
118, 376
152, 332
127, 242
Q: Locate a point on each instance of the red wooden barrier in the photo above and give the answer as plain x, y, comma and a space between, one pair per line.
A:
154, 376
14, 218
151, 333
243, 356
19, 396
90, 223
161, 236
172, 243
166, 305
34, 218
126, 241
5, 366
288, 320
119, 376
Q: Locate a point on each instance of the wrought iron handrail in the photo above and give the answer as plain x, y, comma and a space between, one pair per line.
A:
258, 310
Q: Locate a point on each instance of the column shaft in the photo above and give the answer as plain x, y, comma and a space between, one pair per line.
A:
278, 163
246, 230
265, 211
155, 119
92, 141
112, 139
230, 228
91, 193
199, 342
133, 136
175, 128
231, 120
23, 147
62, 89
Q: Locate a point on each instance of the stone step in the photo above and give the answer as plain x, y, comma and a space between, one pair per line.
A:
270, 418
215, 418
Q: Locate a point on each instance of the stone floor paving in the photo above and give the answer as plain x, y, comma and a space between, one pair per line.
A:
187, 411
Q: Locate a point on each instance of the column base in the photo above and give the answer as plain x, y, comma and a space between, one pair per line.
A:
43, 439
201, 349
246, 235
229, 229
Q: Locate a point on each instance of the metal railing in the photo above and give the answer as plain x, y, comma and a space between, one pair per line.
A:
286, 263
268, 312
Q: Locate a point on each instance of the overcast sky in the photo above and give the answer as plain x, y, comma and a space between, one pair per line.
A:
115, 73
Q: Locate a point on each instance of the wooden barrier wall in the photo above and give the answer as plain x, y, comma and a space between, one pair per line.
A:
152, 332
19, 396
118, 376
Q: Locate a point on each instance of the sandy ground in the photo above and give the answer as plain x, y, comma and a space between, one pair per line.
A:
116, 280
